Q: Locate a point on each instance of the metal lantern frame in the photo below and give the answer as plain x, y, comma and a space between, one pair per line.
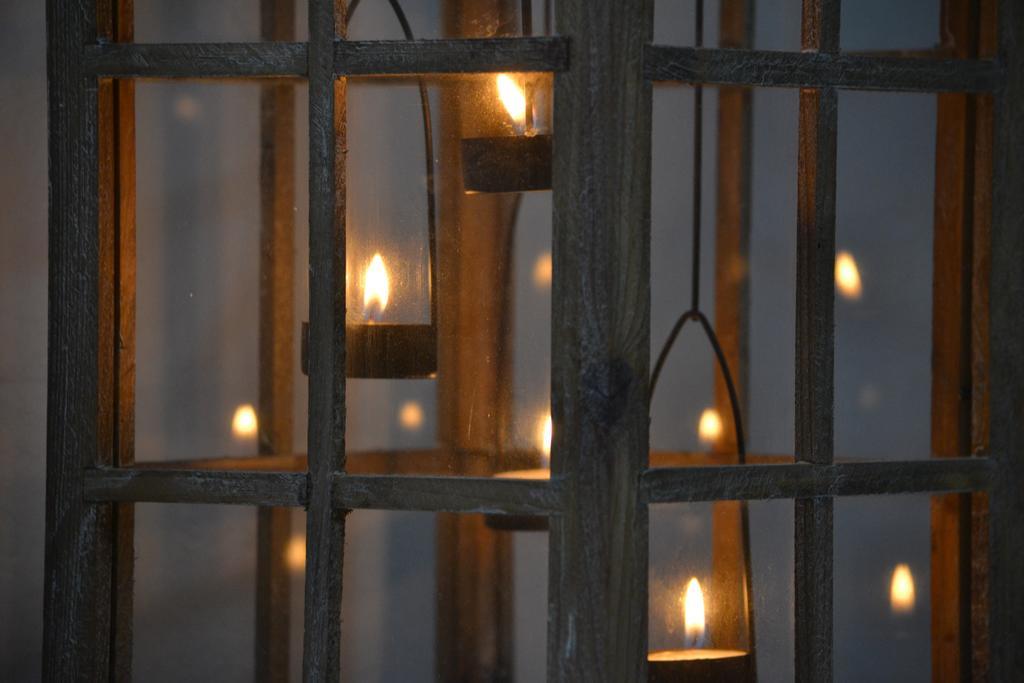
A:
602, 483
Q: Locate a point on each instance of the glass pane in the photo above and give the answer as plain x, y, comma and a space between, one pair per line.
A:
896, 583
724, 21
746, 280
433, 19
882, 25
884, 228
199, 21
441, 597
448, 358
697, 587
200, 278
195, 592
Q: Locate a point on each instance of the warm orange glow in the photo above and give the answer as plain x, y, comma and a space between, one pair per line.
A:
513, 97
544, 436
709, 429
410, 416
693, 613
901, 590
376, 288
847, 276
542, 271
244, 424
295, 553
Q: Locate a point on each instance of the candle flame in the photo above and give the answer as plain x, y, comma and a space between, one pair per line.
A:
847, 276
544, 432
901, 590
410, 416
513, 97
244, 423
542, 270
709, 429
295, 553
376, 288
693, 613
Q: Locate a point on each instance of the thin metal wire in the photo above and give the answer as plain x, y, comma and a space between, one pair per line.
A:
694, 313
428, 144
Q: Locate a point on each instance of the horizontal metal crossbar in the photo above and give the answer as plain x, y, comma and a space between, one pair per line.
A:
351, 58
805, 480
765, 68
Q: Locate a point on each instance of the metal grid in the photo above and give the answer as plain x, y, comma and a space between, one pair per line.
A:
601, 484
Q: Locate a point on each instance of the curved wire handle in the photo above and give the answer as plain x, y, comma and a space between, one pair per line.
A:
734, 402
428, 144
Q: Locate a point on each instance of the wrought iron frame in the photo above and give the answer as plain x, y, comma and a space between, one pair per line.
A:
601, 483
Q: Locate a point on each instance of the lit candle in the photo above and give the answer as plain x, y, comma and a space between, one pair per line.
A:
901, 590
376, 289
709, 429
544, 432
847, 276
244, 425
513, 98
696, 663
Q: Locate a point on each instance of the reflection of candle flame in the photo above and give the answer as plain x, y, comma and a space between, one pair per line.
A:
847, 275
244, 424
410, 416
542, 271
376, 288
709, 429
544, 433
901, 590
693, 613
513, 97
295, 553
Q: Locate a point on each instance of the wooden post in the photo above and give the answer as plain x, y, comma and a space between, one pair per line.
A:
597, 588
116, 189
960, 346
474, 627
815, 348
325, 526
276, 334
1006, 349
78, 547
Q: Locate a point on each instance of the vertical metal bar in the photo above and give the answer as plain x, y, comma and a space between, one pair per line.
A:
325, 527
77, 592
276, 331
601, 344
116, 215
730, 562
1006, 346
815, 349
